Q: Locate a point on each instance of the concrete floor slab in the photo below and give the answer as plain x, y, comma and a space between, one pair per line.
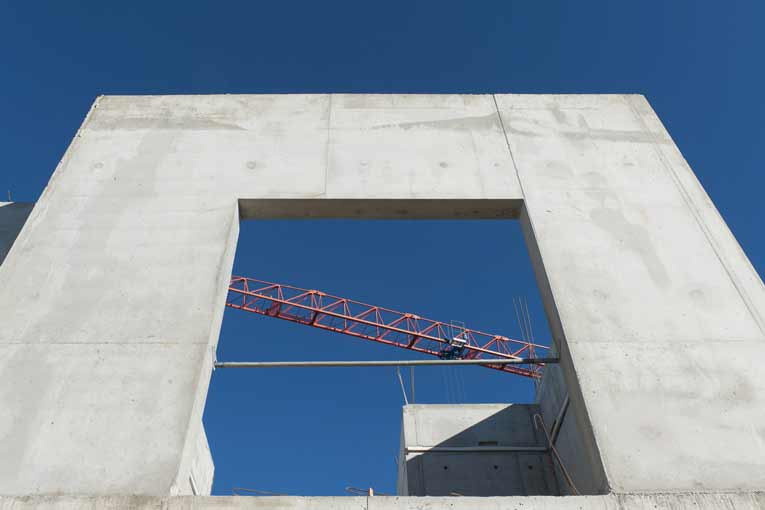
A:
686, 501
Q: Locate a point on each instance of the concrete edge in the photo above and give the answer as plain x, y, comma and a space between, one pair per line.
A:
697, 501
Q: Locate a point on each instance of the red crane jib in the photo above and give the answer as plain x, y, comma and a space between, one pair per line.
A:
360, 320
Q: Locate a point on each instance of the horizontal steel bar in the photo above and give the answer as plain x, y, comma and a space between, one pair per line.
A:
404, 330
383, 363
473, 449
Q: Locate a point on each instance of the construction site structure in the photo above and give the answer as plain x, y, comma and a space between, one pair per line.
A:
383, 325
113, 292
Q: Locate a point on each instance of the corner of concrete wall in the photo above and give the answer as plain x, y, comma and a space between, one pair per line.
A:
402, 487
727, 248
474, 450
192, 454
559, 417
580, 453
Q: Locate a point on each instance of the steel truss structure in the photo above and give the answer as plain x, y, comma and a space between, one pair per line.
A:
405, 330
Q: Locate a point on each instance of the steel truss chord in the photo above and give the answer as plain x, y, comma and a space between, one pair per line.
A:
360, 320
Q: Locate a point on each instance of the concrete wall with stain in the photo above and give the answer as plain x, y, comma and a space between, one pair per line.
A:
648, 292
107, 345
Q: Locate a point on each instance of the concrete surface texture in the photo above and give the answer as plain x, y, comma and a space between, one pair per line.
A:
650, 290
473, 450
570, 441
645, 287
202, 469
695, 501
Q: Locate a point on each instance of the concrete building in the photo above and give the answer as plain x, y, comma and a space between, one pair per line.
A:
474, 450
497, 449
106, 345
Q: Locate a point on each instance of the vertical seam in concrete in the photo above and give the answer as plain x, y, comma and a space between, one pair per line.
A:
509, 150
598, 455
697, 216
421, 473
523, 206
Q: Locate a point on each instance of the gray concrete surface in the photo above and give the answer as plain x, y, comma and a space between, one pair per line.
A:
113, 293
449, 449
648, 291
202, 470
12, 218
569, 440
695, 501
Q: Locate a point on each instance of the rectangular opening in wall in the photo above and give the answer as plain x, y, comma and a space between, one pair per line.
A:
464, 430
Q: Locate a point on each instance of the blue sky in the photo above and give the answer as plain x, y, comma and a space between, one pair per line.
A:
314, 432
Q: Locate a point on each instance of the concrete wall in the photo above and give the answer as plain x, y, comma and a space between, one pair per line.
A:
113, 294
695, 501
556, 409
466, 449
202, 470
12, 218
648, 292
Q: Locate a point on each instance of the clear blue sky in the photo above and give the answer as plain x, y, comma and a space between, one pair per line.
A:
700, 64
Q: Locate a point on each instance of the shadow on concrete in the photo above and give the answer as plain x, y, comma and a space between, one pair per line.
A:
13, 215
474, 450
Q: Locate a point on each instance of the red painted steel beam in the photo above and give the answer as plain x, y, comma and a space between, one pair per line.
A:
382, 325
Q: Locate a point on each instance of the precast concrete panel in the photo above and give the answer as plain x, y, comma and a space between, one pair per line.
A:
659, 312
113, 294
